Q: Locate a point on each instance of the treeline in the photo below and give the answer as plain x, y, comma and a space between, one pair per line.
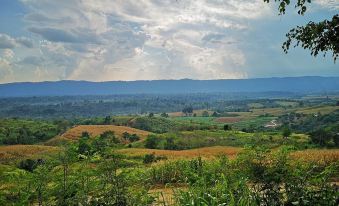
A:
71, 107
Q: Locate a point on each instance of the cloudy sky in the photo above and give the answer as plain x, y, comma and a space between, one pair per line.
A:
101, 40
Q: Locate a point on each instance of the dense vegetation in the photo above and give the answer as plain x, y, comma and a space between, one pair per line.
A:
101, 176
15, 131
71, 107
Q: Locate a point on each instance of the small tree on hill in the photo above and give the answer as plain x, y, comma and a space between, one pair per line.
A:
164, 114
286, 132
151, 142
188, 111
108, 120
85, 135
205, 114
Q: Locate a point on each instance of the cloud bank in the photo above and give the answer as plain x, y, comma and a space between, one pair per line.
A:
133, 40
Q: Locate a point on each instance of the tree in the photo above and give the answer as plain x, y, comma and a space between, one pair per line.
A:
188, 110
151, 142
108, 120
151, 115
286, 132
170, 144
316, 36
321, 137
336, 139
85, 135
110, 137
164, 114
28, 165
337, 104
227, 127
205, 114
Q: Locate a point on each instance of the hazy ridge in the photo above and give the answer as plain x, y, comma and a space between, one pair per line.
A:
62, 88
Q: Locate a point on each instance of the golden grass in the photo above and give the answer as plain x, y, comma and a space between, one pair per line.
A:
320, 156
16, 152
206, 152
95, 130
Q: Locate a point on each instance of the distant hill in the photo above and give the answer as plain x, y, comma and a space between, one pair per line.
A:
65, 88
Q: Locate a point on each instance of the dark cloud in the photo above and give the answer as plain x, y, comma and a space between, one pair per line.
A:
6, 42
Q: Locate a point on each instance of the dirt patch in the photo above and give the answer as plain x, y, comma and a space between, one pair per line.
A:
228, 119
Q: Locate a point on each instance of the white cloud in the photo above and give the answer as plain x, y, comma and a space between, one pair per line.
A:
5, 69
329, 4
8, 54
6, 42
145, 39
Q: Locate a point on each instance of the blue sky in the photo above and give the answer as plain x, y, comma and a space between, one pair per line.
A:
106, 40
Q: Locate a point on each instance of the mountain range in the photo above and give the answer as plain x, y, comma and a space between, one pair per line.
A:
72, 88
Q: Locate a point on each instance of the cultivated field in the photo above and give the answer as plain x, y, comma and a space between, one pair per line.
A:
18, 152
206, 152
96, 130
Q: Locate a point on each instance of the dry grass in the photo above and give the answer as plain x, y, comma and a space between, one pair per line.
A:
206, 152
319, 156
96, 130
315, 110
17, 152
228, 119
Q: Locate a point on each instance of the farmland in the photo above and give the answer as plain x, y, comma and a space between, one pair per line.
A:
172, 158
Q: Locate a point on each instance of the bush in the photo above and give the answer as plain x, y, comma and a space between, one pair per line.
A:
152, 142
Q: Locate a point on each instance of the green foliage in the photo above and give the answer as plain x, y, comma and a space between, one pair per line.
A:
150, 158
205, 114
130, 137
188, 110
286, 132
152, 141
17, 131
164, 114
317, 37
321, 137
29, 164
227, 127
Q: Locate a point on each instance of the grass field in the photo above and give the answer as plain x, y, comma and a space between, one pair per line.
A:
96, 130
320, 109
18, 152
320, 156
206, 152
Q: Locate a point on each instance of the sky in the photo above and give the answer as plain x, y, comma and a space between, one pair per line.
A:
106, 40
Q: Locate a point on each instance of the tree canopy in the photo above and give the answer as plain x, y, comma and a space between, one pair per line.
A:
316, 36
